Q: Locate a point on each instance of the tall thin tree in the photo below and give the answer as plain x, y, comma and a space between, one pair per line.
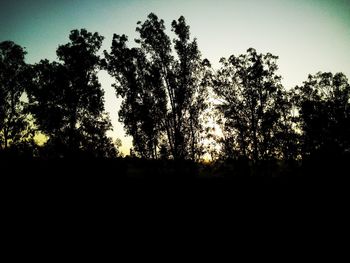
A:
15, 128
164, 96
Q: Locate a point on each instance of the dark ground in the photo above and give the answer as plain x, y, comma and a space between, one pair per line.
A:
126, 200
126, 175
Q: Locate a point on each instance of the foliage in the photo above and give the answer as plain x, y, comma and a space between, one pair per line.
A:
163, 96
166, 89
255, 108
323, 103
16, 132
67, 100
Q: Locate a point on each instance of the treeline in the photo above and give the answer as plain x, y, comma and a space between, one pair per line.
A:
174, 104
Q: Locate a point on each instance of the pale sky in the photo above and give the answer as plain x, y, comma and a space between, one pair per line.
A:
307, 35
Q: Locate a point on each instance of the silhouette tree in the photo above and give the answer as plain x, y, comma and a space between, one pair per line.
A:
164, 97
67, 100
323, 104
15, 129
256, 109
139, 84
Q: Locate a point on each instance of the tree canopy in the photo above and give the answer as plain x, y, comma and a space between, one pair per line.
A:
67, 99
164, 96
323, 104
15, 130
167, 90
255, 108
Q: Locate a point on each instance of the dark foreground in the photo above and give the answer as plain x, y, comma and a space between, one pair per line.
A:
137, 195
125, 174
